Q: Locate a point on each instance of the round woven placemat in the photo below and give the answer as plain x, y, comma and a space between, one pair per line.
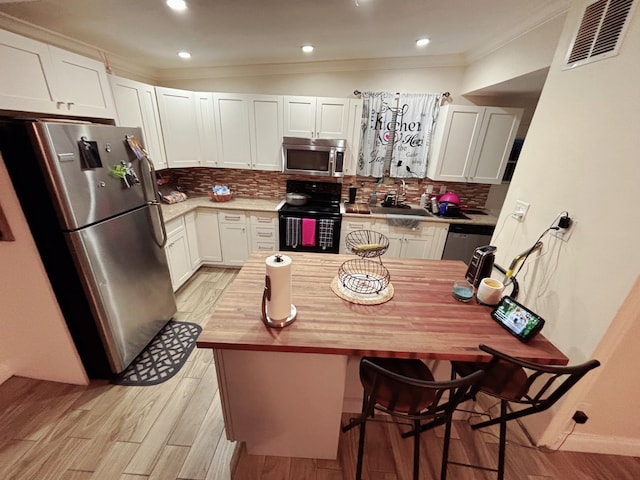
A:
344, 293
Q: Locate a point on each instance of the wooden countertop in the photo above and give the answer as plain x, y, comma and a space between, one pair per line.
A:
422, 320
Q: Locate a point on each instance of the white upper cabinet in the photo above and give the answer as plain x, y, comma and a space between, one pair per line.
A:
206, 129
136, 106
46, 79
232, 123
180, 128
353, 136
83, 83
472, 144
266, 129
249, 130
316, 117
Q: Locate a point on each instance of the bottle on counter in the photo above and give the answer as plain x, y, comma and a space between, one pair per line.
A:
423, 200
434, 205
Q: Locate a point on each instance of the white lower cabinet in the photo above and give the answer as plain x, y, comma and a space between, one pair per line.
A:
427, 242
177, 250
217, 237
264, 231
192, 240
209, 236
351, 225
233, 237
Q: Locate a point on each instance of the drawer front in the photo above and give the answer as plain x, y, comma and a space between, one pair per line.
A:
264, 247
237, 218
262, 234
423, 232
258, 220
350, 225
174, 226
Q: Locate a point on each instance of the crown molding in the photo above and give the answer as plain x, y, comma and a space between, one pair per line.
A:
355, 65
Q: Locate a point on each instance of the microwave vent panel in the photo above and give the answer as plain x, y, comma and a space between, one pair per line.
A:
601, 30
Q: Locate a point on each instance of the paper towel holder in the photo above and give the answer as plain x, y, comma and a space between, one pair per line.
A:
266, 295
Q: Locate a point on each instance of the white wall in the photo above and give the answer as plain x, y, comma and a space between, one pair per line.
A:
580, 154
530, 52
35, 342
307, 80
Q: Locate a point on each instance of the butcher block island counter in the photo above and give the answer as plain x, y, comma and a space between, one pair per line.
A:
283, 390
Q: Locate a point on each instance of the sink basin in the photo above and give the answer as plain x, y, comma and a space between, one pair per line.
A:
401, 211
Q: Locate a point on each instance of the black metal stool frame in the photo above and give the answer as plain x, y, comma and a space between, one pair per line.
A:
545, 396
436, 413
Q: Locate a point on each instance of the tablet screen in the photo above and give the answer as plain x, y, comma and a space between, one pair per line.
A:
516, 318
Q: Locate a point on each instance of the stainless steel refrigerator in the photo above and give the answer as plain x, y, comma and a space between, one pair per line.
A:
92, 206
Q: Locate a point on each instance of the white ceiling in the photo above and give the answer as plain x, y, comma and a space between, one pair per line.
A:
250, 32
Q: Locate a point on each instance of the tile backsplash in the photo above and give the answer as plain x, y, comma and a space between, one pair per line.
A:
263, 184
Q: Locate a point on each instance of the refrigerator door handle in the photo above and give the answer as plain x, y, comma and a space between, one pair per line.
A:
163, 242
152, 201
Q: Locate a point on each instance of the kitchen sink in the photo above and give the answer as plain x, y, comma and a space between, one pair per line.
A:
401, 211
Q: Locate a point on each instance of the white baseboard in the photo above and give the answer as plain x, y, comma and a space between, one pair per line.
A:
586, 443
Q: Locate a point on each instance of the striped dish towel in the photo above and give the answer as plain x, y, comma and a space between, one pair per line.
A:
293, 231
325, 234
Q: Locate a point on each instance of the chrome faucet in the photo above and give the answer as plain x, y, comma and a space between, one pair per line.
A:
403, 193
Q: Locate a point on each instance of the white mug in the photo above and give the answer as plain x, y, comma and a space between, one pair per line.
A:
490, 291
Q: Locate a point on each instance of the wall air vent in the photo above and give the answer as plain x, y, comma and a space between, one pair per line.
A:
601, 31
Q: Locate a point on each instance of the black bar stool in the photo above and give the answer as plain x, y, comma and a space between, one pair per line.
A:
405, 388
533, 386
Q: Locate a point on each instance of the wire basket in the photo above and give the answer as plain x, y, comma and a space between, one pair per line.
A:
219, 198
363, 276
366, 243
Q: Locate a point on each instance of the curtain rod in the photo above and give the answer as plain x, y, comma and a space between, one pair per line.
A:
357, 93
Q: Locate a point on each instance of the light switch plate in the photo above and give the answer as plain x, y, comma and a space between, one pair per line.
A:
520, 212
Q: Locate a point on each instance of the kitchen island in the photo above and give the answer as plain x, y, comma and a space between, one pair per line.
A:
282, 390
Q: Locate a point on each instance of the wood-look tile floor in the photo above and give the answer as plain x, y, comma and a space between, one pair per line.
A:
175, 431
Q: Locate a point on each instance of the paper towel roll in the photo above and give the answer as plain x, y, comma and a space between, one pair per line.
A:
279, 273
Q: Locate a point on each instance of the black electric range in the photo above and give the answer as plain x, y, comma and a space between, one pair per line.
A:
321, 214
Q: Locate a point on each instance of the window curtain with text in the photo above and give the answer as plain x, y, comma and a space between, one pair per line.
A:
377, 113
396, 133
415, 117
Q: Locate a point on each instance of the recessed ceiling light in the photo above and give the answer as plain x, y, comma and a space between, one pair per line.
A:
307, 48
177, 4
422, 42
184, 55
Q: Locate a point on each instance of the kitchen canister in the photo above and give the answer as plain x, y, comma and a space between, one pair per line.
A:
489, 291
277, 309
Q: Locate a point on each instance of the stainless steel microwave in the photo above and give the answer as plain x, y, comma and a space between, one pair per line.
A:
313, 156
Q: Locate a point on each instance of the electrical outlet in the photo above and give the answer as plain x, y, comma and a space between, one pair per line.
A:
520, 211
443, 189
429, 189
580, 417
563, 233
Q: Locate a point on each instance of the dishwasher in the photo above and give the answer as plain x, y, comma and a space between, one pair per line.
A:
463, 239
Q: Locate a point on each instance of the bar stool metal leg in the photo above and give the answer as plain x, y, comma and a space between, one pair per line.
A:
503, 439
445, 449
416, 449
